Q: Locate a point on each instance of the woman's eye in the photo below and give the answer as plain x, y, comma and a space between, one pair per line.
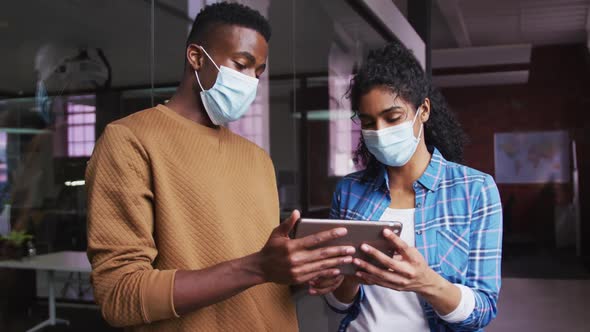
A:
239, 65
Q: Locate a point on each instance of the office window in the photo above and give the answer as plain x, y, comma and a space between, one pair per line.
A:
81, 117
3, 160
344, 134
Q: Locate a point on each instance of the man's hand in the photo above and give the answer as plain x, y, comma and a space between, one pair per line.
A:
324, 285
282, 260
294, 261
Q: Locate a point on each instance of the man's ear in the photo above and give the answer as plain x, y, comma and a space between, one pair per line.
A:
195, 56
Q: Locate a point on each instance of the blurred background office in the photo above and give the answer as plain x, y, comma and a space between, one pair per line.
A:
516, 72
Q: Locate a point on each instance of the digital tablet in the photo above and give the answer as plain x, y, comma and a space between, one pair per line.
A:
359, 232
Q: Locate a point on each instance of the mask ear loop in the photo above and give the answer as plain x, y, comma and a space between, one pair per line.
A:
197, 74
210, 58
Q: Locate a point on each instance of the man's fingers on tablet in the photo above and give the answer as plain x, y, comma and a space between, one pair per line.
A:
314, 240
323, 253
316, 274
320, 265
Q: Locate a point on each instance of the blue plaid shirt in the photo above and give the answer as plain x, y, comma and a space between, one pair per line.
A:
458, 225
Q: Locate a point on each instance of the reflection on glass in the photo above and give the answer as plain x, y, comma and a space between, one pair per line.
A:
63, 77
72, 78
81, 115
330, 40
344, 133
88, 66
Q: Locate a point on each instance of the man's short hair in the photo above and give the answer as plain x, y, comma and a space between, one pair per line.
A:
226, 13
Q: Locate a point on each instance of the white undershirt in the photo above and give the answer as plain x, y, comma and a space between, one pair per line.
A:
386, 310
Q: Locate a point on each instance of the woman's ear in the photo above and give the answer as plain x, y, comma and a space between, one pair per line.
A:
194, 56
425, 114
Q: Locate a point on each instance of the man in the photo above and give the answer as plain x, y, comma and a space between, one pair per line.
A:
181, 209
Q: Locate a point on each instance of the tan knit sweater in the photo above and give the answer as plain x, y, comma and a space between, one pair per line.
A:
166, 193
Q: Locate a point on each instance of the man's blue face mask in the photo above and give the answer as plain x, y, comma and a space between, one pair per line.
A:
231, 95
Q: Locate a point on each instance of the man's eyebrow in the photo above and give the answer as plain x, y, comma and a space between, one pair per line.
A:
246, 55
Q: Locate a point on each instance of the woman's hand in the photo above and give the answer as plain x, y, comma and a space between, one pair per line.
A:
405, 271
408, 271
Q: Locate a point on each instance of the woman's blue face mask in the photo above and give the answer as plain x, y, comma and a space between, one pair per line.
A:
393, 146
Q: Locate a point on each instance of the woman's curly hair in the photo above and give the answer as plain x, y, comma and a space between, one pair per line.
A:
395, 68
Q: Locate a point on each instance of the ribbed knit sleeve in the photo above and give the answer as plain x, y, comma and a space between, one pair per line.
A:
121, 246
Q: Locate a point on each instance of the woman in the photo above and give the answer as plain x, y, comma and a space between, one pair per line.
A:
446, 273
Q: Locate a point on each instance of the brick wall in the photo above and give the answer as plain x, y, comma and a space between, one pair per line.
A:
557, 97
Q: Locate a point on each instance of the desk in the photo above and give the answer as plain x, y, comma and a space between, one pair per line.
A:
66, 261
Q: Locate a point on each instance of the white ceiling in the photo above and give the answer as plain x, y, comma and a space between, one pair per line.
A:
481, 33
501, 22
